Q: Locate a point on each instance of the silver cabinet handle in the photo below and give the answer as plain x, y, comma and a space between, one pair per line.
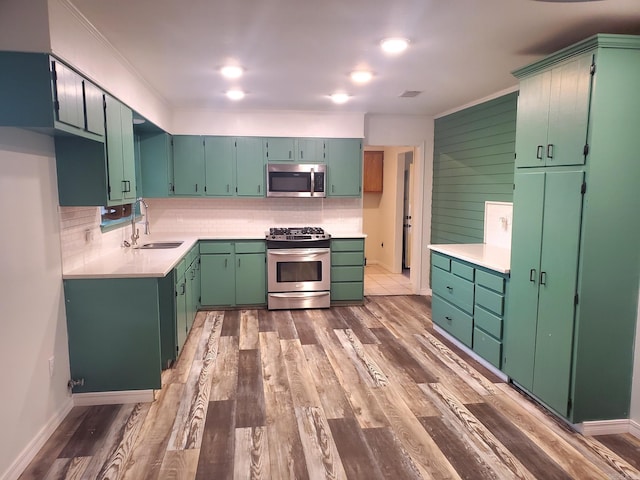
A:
550, 150
539, 152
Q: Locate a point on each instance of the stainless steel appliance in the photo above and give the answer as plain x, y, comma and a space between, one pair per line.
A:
298, 268
296, 180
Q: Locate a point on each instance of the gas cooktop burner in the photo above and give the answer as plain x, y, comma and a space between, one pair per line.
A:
297, 234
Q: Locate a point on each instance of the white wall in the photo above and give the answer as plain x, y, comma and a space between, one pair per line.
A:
76, 41
32, 313
413, 130
15, 17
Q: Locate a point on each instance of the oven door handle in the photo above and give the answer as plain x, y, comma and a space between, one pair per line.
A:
298, 294
299, 252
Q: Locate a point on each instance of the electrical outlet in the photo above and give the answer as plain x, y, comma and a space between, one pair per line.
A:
52, 361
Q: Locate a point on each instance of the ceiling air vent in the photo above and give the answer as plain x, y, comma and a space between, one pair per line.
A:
410, 93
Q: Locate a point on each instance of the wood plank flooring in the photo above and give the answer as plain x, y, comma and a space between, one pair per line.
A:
365, 392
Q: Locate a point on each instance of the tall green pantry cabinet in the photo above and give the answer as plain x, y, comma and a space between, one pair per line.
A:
576, 229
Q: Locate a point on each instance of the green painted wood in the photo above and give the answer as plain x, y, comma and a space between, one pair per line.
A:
344, 167
609, 281
156, 165
218, 279
257, 246
181, 312
311, 150
128, 156
188, 165
347, 258
250, 167
441, 261
533, 120
462, 270
279, 149
453, 289
453, 320
487, 347
347, 245
251, 278
557, 287
167, 312
473, 162
69, 107
347, 291
347, 274
491, 281
526, 240
220, 163
94, 107
114, 345
488, 321
216, 247
115, 154
492, 301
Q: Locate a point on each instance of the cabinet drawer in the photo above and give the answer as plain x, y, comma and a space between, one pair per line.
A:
347, 291
490, 300
452, 319
348, 245
488, 322
250, 247
490, 281
487, 347
453, 289
462, 270
216, 247
440, 261
347, 258
347, 274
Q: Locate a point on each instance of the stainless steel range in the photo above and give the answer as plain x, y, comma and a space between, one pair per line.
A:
298, 268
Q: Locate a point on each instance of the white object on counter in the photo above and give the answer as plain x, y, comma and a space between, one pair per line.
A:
498, 217
488, 256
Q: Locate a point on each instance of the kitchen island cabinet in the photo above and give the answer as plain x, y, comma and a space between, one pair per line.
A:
576, 231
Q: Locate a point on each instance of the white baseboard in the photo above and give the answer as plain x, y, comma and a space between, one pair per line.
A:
472, 354
34, 446
110, 398
634, 428
603, 427
426, 291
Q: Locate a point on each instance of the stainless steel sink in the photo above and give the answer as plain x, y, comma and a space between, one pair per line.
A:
159, 245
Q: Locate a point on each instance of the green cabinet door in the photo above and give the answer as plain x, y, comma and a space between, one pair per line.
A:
311, 150
520, 330
218, 279
115, 154
181, 312
250, 170
220, 160
68, 102
156, 165
557, 285
533, 120
188, 165
189, 277
128, 155
279, 149
344, 167
251, 277
94, 106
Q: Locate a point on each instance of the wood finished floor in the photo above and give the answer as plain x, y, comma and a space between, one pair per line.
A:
368, 392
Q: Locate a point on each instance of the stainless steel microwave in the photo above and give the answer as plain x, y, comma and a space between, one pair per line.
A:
296, 180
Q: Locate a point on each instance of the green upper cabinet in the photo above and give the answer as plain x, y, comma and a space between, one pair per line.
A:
120, 152
156, 165
278, 149
553, 111
311, 150
250, 168
220, 162
188, 165
344, 167
39, 91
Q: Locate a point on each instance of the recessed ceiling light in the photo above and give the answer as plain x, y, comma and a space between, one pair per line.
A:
361, 76
231, 71
394, 45
339, 97
235, 94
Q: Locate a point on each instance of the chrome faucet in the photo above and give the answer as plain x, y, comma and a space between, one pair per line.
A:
135, 233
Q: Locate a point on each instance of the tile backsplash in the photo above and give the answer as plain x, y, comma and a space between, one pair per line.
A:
82, 240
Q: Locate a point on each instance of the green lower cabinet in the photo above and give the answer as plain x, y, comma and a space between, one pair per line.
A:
233, 273
469, 303
347, 270
114, 333
181, 313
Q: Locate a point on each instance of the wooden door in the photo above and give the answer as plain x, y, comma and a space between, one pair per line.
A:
373, 168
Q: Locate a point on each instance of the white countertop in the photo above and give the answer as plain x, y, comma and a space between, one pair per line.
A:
135, 263
488, 256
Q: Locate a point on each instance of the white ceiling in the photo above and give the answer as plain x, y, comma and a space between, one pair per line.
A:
297, 52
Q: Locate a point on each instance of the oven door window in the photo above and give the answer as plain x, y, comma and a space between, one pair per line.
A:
299, 271
289, 181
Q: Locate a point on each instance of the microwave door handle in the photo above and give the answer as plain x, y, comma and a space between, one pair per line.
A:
313, 182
